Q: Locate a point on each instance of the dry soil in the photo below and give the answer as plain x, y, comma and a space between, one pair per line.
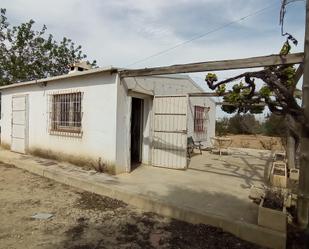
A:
256, 142
83, 220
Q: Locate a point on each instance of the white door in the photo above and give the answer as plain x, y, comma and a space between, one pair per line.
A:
19, 123
169, 148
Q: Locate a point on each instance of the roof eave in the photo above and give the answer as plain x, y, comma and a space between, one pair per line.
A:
60, 77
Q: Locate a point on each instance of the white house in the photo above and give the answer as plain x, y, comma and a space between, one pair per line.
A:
96, 116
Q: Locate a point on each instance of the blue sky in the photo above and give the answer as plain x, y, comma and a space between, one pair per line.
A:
121, 32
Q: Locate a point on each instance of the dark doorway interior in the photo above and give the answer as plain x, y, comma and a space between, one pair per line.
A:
136, 132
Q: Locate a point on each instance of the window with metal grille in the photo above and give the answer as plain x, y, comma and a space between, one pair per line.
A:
66, 113
199, 118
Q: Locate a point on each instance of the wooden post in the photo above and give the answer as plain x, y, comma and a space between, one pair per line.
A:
290, 151
303, 197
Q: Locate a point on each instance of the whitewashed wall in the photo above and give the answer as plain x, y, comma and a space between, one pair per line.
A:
106, 115
210, 120
157, 85
123, 140
98, 122
123, 122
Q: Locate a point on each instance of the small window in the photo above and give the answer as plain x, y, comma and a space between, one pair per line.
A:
200, 118
66, 114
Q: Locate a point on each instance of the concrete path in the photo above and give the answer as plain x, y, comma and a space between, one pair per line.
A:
212, 184
214, 190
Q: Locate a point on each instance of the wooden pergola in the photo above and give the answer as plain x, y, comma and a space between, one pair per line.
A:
255, 62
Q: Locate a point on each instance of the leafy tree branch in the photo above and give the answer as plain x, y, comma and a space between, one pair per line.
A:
26, 54
277, 93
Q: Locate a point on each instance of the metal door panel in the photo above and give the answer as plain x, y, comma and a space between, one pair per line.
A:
19, 123
18, 131
18, 103
19, 117
18, 145
170, 132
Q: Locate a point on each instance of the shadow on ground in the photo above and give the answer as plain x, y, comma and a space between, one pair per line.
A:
119, 226
252, 168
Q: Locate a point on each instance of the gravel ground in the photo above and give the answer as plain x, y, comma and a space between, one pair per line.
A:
83, 220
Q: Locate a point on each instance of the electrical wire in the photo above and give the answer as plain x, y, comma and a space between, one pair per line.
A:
205, 34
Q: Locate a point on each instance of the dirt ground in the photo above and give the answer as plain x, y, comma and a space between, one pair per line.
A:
83, 220
256, 142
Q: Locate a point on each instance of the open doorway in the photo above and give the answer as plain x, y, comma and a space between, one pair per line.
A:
136, 132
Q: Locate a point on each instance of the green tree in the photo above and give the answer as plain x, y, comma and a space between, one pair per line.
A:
222, 126
243, 124
275, 125
26, 54
279, 93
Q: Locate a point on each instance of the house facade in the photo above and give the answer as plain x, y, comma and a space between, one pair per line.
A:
98, 117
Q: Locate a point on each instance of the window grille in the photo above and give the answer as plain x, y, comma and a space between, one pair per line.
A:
66, 114
199, 118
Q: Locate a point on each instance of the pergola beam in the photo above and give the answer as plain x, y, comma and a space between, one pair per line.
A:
206, 94
231, 104
254, 62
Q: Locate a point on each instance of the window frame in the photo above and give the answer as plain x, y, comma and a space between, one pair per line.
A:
66, 113
199, 119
